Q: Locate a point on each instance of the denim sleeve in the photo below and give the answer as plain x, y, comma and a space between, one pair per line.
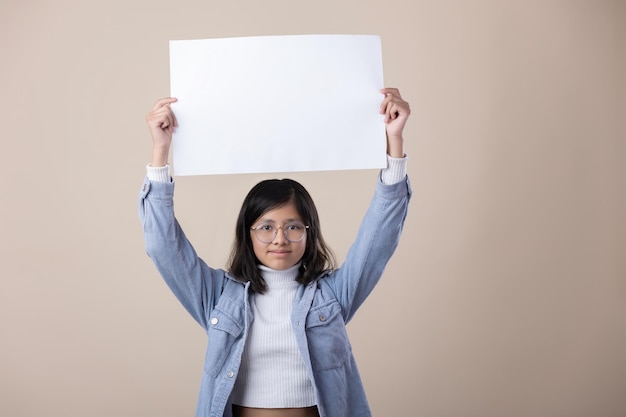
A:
375, 243
195, 285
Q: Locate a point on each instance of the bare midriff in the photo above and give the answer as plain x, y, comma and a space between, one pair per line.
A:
239, 411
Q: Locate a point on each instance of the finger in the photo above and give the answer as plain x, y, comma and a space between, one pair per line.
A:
159, 117
164, 102
387, 106
397, 108
159, 121
167, 120
162, 115
391, 92
391, 112
385, 103
174, 121
390, 95
170, 117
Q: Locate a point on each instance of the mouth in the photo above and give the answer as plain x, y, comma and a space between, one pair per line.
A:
280, 252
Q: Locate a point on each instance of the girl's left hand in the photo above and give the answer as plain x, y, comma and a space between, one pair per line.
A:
396, 112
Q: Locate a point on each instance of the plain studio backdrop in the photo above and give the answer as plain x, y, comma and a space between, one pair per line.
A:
506, 297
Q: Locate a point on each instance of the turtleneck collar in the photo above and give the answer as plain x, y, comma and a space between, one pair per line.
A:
274, 277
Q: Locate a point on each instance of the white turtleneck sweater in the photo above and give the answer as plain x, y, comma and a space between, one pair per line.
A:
272, 372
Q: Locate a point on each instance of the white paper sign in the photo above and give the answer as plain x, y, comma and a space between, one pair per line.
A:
277, 104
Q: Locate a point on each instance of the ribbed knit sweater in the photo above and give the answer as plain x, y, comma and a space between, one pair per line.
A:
272, 372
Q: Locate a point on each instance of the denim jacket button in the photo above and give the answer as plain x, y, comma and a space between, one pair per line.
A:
214, 321
322, 317
230, 374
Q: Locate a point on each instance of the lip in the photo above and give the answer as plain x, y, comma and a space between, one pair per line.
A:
280, 252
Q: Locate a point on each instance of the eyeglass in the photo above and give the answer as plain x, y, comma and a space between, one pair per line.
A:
266, 232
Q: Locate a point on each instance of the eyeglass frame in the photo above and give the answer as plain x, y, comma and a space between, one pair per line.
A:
255, 228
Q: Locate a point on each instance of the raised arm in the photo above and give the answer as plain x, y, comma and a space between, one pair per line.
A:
196, 285
382, 225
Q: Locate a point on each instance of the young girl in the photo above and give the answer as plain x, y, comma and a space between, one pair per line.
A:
275, 319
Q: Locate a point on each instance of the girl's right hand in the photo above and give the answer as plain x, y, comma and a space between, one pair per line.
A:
161, 121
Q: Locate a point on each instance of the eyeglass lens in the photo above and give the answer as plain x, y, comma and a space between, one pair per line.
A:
293, 232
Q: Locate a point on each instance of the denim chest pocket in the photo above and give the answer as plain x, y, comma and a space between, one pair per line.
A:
327, 338
223, 332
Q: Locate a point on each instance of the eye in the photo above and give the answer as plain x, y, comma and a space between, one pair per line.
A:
294, 226
265, 227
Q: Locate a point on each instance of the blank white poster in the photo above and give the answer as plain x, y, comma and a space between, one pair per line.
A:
277, 104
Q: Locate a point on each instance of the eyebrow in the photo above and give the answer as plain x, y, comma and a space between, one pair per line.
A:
261, 220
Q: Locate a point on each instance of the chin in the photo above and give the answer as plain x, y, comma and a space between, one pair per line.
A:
280, 266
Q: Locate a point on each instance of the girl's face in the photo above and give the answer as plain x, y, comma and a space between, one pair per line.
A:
279, 253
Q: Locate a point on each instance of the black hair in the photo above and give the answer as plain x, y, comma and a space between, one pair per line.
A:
263, 197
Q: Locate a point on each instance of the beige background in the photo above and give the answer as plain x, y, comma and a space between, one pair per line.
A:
507, 296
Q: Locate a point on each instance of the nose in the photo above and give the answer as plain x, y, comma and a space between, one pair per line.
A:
280, 237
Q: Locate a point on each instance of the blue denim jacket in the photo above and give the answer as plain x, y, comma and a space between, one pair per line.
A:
321, 309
